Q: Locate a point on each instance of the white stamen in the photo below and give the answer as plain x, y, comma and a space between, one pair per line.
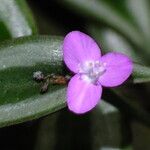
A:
91, 70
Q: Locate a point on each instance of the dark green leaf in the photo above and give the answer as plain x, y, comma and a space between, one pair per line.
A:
102, 12
103, 128
132, 99
140, 10
20, 99
141, 74
128, 148
141, 136
15, 19
130, 95
110, 40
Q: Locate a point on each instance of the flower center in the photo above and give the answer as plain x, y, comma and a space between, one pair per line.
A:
91, 71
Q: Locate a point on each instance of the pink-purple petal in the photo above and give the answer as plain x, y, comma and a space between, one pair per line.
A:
82, 96
118, 68
77, 48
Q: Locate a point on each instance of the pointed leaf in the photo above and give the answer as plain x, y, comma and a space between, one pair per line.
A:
141, 74
140, 10
112, 41
15, 19
103, 128
20, 99
102, 12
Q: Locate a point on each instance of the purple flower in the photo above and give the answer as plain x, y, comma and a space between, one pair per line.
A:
92, 71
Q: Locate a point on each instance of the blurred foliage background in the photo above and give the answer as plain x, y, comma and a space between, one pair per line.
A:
31, 34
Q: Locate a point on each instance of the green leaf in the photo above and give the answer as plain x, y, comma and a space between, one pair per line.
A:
103, 128
128, 148
129, 96
140, 135
140, 10
15, 19
102, 12
141, 74
110, 40
20, 99
131, 101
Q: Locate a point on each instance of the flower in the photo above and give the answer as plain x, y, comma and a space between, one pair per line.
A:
92, 71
